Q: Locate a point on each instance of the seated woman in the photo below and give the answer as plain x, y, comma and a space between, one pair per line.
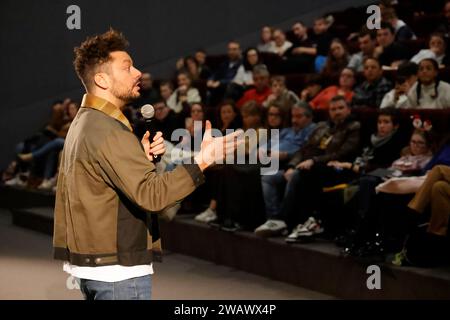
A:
436, 50
193, 68
243, 79
279, 45
228, 118
184, 95
276, 117
239, 194
265, 44
429, 92
17, 172
337, 60
368, 226
44, 157
345, 88
186, 148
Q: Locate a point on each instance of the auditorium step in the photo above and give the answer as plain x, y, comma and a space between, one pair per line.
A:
38, 218
316, 266
17, 197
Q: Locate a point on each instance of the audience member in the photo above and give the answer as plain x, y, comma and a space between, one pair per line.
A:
428, 91
367, 44
261, 91
281, 95
345, 89
371, 92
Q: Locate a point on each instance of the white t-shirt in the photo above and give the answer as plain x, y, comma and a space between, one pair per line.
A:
112, 273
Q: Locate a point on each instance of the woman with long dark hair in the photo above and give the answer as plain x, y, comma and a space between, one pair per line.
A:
228, 118
244, 75
429, 91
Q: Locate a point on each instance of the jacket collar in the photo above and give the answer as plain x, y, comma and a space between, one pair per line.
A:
94, 102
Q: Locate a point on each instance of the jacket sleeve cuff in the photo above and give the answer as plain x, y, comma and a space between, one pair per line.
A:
194, 171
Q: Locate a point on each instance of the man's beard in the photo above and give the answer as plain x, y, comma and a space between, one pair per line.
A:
125, 95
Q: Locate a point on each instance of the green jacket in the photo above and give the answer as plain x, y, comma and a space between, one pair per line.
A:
108, 192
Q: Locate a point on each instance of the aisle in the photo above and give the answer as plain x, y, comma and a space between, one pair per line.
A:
28, 272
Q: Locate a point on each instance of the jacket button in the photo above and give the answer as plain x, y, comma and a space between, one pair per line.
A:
98, 260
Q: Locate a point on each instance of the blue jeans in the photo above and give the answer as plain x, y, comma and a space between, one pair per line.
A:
52, 146
139, 288
273, 186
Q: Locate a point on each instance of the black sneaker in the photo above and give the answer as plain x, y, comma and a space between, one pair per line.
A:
230, 226
216, 223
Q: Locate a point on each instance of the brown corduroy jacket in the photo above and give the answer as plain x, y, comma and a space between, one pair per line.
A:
108, 193
329, 142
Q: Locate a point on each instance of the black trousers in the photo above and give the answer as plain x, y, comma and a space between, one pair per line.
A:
305, 192
239, 195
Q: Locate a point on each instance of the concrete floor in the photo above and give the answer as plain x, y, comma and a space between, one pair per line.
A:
27, 271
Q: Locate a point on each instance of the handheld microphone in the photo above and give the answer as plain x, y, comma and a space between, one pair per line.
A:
148, 112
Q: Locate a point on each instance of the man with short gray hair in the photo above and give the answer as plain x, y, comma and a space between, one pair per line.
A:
262, 90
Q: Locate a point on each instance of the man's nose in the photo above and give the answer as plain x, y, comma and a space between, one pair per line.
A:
138, 73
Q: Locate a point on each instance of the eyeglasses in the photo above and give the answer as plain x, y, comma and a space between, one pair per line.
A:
417, 142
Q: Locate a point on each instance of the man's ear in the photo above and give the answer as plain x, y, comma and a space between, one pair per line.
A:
101, 80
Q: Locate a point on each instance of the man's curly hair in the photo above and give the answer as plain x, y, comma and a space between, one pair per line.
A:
94, 52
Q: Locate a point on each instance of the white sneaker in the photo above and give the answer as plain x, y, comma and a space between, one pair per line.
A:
305, 231
47, 184
271, 228
206, 216
16, 182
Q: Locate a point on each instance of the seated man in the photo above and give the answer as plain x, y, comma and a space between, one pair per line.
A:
149, 94
389, 52
220, 79
165, 120
281, 95
402, 30
367, 43
261, 91
300, 56
371, 92
291, 140
335, 139
405, 79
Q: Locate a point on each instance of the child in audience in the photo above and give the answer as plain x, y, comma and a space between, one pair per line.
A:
428, 91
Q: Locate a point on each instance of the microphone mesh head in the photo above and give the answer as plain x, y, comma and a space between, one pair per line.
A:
147, 111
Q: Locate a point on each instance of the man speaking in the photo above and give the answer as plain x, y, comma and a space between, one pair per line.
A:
108, 193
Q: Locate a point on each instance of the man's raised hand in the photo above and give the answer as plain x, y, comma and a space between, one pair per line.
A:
216, 149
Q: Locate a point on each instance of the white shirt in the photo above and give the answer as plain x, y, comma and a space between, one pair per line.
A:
442, 101
243, 76
389, 100
112, 273
280, 50
427, 54
192, 96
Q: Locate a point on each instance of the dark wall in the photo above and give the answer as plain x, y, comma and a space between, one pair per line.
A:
37, 47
